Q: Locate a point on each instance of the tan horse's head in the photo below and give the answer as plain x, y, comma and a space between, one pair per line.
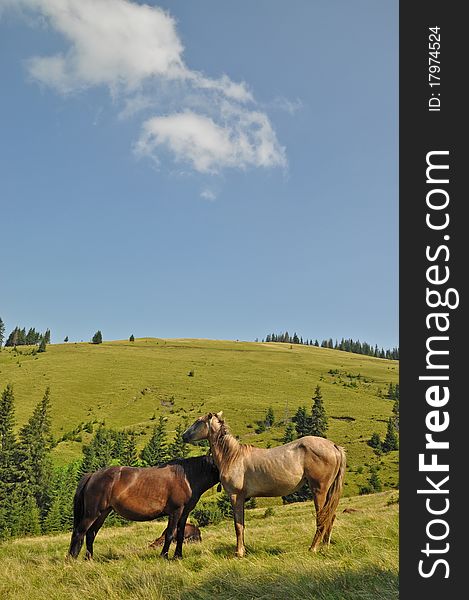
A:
202, 427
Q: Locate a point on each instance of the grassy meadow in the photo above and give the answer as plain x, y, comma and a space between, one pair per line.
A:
362, 561
128, 384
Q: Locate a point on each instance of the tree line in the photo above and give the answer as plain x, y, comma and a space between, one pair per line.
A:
346, 345
21, 337
35, 496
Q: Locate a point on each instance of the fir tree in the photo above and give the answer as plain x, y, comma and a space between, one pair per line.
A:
269, 417
318, 415
179, 449
374, 480
155, 452
131, 338
375, 441
29, 522
289, 434
391, 441
130, 457
34, 453
119, 447
47, 336
8, 469
60, 514
13, 338
2, 333
97, 338
53, 521
302, 422
66, 339
395, 411
99, 453
42, 345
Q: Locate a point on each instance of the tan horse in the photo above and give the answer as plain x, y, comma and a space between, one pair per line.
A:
247, 471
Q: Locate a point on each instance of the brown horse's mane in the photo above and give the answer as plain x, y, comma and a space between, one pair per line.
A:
193, 466
229, 447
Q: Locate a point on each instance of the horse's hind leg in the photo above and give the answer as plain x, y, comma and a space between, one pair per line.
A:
92, 532
327, 533
319, 502
78, 535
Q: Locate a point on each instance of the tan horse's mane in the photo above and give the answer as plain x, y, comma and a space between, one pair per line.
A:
229, 447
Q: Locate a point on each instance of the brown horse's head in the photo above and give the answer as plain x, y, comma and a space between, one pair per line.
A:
200, 429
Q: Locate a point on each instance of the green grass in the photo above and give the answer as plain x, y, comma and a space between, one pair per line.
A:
361, 563
125, 384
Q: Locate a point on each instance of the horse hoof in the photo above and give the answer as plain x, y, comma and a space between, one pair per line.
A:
177, 557
313, 548
239, 554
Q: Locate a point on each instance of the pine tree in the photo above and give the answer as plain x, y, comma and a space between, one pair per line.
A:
53, 521
119, 447
130, 450
8, 470
42, 345
318, 415
47, 336
60, 514
289, 434
131, 338
179, 449
303, 422
374, 480
375, 442
2, 333
391, 441
29, 522
97, 338
66, 339
395, 411
34, 453
269, 417
99, 453
12, 339
155, 452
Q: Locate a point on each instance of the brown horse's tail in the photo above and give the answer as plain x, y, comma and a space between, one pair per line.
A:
327, 514
79, 501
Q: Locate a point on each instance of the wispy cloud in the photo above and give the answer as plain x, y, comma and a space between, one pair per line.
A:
135, 51
208, 194
247, 138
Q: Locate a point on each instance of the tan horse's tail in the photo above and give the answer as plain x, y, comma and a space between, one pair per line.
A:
327, 514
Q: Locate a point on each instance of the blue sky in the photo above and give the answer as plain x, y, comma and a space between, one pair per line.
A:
209, 169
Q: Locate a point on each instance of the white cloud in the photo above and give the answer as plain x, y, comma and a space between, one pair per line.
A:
245, 139
208, 194
135, 51
112, 42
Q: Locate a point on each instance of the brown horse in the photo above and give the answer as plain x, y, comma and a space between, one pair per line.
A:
141, 494
246, 471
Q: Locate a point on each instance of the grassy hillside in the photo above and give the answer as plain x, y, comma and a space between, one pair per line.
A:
361, 563
126, 384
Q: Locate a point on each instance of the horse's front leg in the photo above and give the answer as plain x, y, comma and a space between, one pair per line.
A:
170, 531
237, 502
180, 530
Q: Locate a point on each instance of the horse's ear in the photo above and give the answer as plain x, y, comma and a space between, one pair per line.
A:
219, 415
